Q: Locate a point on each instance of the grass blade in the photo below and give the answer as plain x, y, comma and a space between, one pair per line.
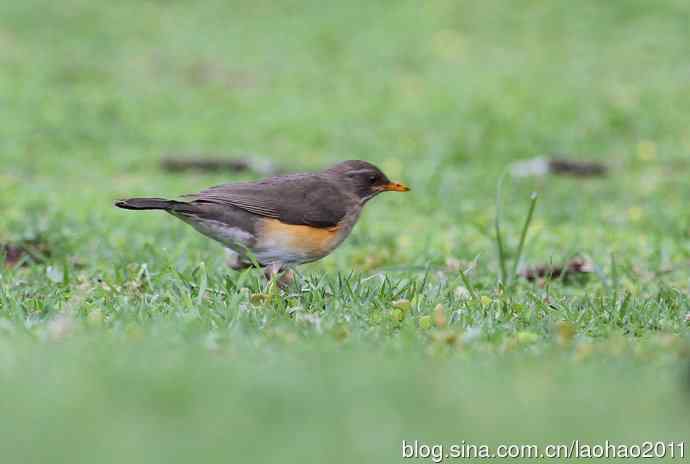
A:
497, 225
468, 286
523, 236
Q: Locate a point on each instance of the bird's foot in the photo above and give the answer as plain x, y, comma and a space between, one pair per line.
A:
280, 274
286, 279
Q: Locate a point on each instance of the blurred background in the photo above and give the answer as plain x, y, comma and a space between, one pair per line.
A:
444, 95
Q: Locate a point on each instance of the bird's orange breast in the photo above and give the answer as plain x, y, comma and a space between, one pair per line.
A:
308, 242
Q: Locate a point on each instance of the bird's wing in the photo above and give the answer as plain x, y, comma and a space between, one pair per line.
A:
298, 199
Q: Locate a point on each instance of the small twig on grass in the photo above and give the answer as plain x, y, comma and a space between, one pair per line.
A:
577, 168
24, 252
216, 163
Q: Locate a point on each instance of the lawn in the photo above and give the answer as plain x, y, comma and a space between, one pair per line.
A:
124, 338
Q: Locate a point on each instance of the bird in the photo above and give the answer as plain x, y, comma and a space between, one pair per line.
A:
282, 221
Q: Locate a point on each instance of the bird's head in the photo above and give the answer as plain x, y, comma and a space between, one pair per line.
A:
364, 179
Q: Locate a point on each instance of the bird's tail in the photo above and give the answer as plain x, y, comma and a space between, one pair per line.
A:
147, 203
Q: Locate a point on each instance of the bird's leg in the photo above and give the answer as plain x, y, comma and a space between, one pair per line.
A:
233, 261
272, 270
286, 278
278, 271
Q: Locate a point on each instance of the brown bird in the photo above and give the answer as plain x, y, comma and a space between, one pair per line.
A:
281, 221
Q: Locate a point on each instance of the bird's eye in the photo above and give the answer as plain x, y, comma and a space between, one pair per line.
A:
372, 179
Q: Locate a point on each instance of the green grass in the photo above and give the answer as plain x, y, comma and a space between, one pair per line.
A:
132, 342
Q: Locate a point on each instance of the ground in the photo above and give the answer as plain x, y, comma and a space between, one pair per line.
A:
124, 338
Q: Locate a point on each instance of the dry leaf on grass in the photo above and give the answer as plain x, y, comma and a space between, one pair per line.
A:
543, 272
542, 166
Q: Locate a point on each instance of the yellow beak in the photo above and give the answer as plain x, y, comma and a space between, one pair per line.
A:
395, 187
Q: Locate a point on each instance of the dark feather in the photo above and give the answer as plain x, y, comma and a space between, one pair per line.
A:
301, 199
145, 203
